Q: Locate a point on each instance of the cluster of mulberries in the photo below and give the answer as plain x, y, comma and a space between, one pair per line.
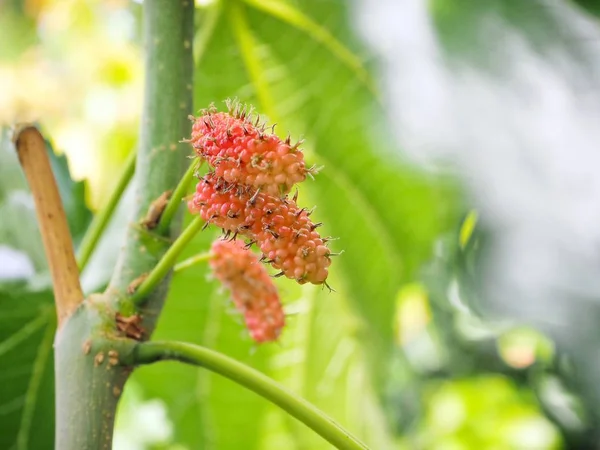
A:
252, 290
246, 193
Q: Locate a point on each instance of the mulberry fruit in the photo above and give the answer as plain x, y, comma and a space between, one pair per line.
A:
284, 232
288, 238
242, 152
252, 290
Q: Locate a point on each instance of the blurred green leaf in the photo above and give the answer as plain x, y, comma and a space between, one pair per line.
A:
18, 30
461, 23
19, 229
297, 19
592, 6
11, 176
483, 412
27, 322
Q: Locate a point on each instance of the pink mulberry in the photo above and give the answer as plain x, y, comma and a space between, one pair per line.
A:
252, 290
242, 152
284, 232
288, 238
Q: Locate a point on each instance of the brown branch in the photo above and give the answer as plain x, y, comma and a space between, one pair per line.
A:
56, 237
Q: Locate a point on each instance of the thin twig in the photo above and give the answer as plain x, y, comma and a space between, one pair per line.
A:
166, 263
192, 261
176, 198
311, 416
101, 219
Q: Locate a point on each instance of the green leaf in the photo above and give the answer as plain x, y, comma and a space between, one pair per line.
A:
27, 324
19, 228
593, 6
11, 177
19, 31
297, 19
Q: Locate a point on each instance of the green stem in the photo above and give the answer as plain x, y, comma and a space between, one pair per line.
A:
166, 263
101, 219
252, 379
162, 156
175, 200
201, 257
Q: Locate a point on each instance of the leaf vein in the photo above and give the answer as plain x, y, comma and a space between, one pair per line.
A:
33, 389
22, 334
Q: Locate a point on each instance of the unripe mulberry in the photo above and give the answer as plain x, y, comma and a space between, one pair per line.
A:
242, 152
284, 232
252, 290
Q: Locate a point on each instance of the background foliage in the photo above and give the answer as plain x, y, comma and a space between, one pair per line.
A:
391, 354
